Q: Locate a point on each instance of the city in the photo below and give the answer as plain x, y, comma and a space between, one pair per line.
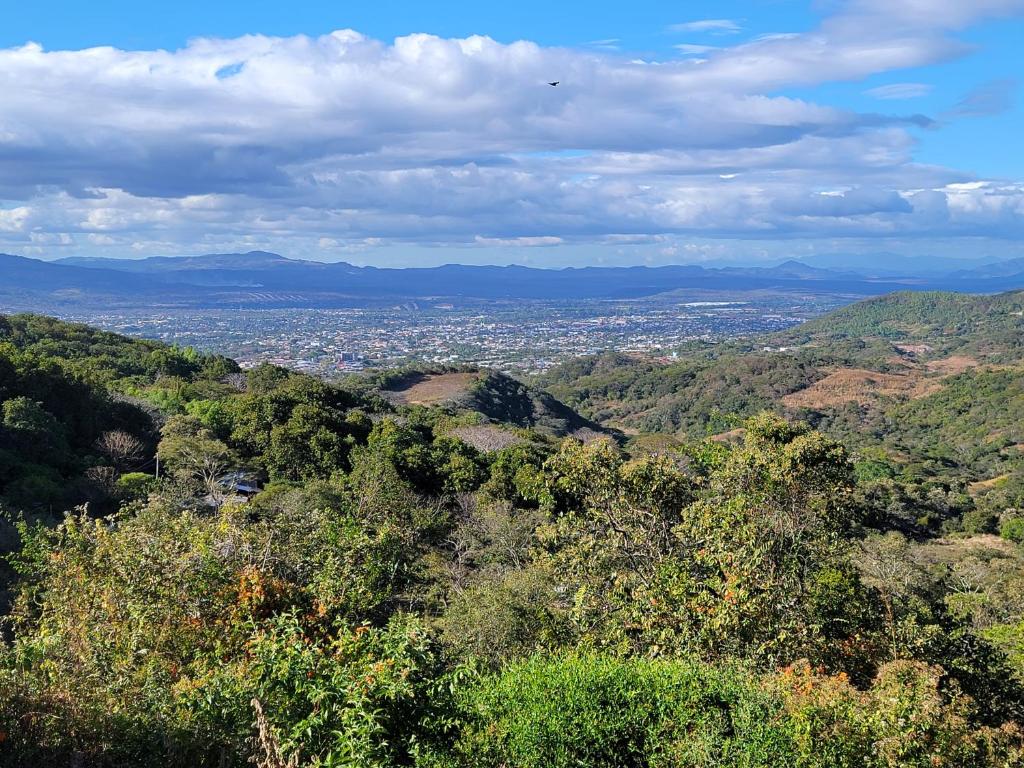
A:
514, 337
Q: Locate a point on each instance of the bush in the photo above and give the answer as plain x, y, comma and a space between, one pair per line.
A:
136, 485
600, 711
357, 696
589, 711
1012, 529
980, 520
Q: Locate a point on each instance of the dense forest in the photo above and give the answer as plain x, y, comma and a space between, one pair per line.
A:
747, 557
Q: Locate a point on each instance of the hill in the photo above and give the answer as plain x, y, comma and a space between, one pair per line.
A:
492, 394
929, 379
66, 389
266, 279
409, 569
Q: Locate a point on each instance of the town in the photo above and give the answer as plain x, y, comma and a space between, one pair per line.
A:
514, 337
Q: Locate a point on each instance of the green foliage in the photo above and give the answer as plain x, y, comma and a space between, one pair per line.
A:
593, 711
163, 655
355, 696
395, 596
723, 564
590, 710
1012, 528
136, 486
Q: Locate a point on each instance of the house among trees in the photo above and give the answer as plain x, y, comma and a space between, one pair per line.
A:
240, 483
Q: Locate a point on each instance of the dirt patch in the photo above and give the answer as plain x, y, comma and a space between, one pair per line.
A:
852, 385
950, 366
953, 549
985, 485
435, 388
913, 349
732, 436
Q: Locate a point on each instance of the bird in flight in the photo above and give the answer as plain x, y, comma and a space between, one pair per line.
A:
554, 83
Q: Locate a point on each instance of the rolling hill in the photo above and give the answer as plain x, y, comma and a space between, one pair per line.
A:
930, 379
266, 279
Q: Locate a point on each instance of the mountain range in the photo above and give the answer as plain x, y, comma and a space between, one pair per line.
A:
259, 278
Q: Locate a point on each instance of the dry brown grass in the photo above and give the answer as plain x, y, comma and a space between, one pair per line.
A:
732, 436
436, 388
852, 385
952, 365
954, 549
859, 385
984, 485
268, 752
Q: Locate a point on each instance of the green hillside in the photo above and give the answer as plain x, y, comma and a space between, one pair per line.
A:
929, 379
989, 326
447, 568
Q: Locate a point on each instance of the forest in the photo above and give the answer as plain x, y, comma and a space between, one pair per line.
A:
728, 560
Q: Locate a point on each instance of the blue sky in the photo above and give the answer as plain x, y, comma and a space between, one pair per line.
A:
681, 131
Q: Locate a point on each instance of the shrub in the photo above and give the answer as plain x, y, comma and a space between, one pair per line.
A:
1012, 528
600, 711
590, 711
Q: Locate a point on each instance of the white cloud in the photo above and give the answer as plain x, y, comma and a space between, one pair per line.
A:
688, 48
342, 141
14, 219
519, 242
898, 91
716, 26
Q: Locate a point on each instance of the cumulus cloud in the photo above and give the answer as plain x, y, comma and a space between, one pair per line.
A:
345, 141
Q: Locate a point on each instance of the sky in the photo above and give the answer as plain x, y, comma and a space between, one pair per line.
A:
402, 133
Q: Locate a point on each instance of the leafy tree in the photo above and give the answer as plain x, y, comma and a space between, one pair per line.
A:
194, 456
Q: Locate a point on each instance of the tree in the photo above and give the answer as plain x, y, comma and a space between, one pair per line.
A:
123, 449
194, 456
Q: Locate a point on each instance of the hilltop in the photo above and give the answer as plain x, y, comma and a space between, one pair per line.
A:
930, 379
495, 395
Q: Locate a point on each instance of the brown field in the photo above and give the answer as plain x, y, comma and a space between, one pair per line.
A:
858, 385
950, 366
984, 485
851, 385
436, 388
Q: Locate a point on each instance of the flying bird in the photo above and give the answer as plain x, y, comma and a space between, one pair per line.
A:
554, 83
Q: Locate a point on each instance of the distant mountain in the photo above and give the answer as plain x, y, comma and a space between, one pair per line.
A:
794, 270
22, 275
889, 264
1013, 268
266, 279
154, 264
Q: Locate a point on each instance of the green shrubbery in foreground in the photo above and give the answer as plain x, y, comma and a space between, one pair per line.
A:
585, 709
396, 597
647, 613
